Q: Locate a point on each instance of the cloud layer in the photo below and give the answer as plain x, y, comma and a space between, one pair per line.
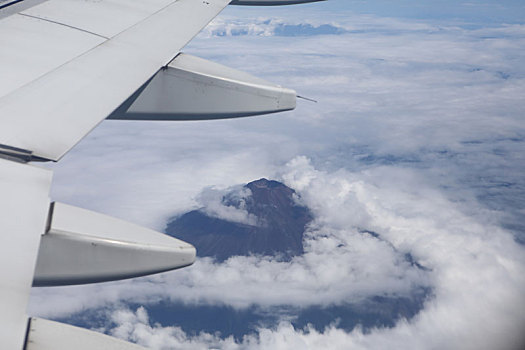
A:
476, 272
418, 137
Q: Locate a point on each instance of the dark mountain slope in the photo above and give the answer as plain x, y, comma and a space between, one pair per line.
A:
279, 231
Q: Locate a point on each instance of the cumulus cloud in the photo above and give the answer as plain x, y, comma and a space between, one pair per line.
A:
136, 326
476, 271
228, 26
477, 274
418, 137
228, 204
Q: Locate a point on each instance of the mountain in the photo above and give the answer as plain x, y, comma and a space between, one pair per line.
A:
278, 231
273, 223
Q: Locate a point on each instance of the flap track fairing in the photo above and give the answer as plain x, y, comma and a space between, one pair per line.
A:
191, 88
81, 247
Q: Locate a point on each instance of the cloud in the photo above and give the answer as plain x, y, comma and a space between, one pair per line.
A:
418, 137
268, 27
136, 326
476, 271
214, 203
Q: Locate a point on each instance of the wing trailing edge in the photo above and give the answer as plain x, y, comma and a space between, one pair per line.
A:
191, 88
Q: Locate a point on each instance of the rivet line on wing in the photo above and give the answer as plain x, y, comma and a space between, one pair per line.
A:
63, 24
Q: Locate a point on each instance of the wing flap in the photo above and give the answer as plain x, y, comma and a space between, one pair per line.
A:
191, 88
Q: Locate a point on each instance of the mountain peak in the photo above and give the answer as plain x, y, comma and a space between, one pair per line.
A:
265, 183
281, 219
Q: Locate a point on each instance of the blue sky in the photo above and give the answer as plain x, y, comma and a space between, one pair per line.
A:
418, 135
479, 11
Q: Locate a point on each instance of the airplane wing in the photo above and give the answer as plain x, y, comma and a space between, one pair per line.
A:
71, 63
65, 66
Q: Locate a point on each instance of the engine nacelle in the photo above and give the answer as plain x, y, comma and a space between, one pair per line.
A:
270, 2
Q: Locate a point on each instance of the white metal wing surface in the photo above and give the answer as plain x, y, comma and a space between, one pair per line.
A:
65, 66
69, 63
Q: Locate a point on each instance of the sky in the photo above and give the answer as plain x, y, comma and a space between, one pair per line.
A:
418, 135
482, 11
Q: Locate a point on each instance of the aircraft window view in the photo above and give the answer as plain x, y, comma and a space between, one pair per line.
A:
262, 174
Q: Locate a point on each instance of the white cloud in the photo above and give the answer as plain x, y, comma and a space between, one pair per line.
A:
131, 325
477, 274
212, 202
135, 326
